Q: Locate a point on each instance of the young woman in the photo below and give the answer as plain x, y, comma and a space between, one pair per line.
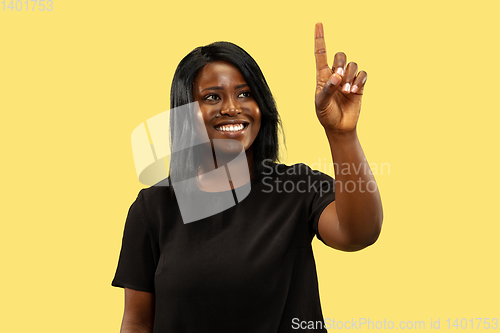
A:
246, 265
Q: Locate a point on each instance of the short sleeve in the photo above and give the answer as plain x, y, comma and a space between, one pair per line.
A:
324, 195
137, 262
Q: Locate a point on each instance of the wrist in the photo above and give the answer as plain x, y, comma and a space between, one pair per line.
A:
339, 137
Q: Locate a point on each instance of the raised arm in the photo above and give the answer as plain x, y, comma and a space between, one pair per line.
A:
354, 220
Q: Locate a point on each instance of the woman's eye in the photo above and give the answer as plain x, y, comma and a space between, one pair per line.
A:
211, 97
245, 94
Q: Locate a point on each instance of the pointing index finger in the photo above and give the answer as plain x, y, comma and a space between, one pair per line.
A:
322, 69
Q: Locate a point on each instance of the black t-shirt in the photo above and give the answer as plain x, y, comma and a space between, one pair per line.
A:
249, 268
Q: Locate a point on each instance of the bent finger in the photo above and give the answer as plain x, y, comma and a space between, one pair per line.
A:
332, 85
350, 74
359, 83
339, 63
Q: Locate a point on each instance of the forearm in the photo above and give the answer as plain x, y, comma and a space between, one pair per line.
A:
357, 199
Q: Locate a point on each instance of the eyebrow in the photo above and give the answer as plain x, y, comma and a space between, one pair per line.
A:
220, 88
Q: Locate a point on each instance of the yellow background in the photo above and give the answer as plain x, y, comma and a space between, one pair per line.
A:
76, 81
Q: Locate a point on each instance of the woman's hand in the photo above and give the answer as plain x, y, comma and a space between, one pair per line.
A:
338, 89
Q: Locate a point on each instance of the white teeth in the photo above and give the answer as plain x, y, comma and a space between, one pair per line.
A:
230, 128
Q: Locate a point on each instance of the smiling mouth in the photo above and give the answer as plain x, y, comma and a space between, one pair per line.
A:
231, 128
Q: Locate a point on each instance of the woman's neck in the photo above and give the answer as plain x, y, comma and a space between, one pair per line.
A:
237, 170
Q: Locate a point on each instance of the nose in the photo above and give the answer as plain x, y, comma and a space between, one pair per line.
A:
230, 108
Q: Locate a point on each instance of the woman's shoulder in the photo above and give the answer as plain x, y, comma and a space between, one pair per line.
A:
158, 192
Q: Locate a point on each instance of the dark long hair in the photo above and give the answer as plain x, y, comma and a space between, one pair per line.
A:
266, 145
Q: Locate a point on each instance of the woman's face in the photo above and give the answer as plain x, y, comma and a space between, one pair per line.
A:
226, 103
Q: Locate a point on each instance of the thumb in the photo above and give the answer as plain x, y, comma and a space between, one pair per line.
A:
328, 89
